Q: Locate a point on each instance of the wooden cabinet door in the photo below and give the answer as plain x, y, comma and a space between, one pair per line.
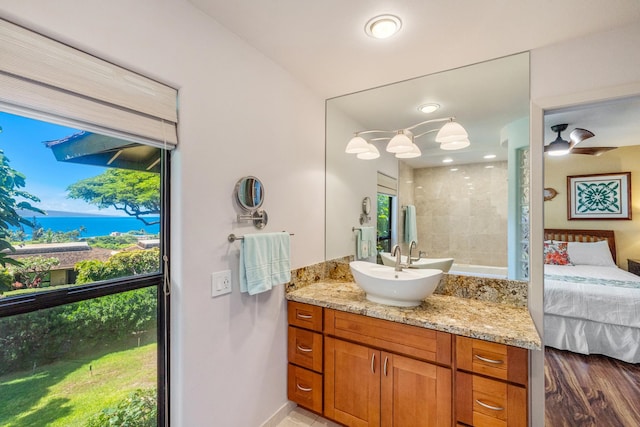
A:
352, 383
414, 393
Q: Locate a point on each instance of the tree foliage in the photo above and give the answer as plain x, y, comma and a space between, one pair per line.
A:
134, 192
139, 409
122, 264
33, 271
12, 199
71, 330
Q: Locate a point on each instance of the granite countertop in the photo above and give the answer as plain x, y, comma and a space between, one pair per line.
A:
489, 321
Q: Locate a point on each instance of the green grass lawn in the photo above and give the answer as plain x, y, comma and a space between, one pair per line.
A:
67, 393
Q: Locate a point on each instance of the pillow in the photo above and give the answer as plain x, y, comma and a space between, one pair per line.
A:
591, 253
555, 253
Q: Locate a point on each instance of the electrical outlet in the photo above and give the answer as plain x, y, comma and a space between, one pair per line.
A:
220, 283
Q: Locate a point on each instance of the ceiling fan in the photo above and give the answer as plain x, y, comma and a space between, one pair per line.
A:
560, 147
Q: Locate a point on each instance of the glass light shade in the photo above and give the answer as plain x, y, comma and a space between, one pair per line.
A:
356, 145
415, 152
370, 154
559, 147
401, 143
451, 131
455, 145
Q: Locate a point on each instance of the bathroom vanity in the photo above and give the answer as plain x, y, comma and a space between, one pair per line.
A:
451, 361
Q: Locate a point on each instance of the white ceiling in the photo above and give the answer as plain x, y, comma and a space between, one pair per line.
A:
323, 44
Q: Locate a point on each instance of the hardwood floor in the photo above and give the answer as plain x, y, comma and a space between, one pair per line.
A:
585, 391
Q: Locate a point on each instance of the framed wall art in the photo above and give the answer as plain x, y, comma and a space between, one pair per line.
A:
599, 196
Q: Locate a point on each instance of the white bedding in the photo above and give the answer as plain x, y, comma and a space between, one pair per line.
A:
613, 297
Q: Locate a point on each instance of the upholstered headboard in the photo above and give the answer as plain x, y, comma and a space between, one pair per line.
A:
582, 236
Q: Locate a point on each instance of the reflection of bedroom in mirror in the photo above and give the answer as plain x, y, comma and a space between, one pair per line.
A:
591, 250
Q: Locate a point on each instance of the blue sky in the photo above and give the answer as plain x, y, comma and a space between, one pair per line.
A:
22, 141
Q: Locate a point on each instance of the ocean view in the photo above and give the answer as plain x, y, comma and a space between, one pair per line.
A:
94, 225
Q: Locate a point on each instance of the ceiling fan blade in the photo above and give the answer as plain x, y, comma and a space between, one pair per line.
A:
578, 135
591, 151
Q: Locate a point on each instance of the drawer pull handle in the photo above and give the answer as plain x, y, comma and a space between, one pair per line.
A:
373, 361
305, 389
493, 408
386, 361
306, 350
484, 359
304, 316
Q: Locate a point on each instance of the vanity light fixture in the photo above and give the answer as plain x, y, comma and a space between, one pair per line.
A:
455, 145
428, 108
451, 136
371, 153
383, 26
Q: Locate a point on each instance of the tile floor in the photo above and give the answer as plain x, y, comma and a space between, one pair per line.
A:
299, 417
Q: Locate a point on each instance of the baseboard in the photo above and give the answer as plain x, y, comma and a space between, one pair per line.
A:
279, 415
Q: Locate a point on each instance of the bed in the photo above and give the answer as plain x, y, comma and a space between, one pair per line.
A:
591, 306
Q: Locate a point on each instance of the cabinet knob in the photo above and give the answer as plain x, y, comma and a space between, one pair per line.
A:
493, 408
493, 361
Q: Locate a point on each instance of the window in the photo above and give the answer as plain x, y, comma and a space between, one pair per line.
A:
83, 231
81, 294
385, 211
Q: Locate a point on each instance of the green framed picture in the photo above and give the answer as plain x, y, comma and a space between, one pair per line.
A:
599, 196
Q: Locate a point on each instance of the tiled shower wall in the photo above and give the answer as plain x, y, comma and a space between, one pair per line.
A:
461, 213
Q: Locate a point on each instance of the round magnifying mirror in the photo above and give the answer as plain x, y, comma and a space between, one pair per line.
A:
366, 205
249, 193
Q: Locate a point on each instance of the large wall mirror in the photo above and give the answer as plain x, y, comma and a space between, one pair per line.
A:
470, 201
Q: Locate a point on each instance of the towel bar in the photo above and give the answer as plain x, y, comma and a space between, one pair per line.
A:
232, 237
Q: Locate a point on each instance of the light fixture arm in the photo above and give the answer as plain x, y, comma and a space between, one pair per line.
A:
444, 119
362, 132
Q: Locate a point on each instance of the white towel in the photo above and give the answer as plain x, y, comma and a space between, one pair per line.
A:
365, 242
410, 227
264, 262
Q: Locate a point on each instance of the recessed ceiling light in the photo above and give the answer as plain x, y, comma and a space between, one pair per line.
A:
428, 108
490, 156
447, 160
383, 26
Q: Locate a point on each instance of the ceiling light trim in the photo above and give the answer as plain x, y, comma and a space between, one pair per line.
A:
383, 26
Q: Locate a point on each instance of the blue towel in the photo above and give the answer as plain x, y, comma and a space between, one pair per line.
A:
410, 227
264, 262
365, 242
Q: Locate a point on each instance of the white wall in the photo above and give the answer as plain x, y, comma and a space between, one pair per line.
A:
239, 114
349, 180
588, 69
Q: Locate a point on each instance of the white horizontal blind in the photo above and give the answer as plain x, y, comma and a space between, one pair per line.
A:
44, 79
387, 184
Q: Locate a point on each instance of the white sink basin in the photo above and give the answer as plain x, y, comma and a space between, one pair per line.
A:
443, 264
384, 285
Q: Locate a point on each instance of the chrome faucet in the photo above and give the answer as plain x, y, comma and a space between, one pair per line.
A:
412, 245
397, 252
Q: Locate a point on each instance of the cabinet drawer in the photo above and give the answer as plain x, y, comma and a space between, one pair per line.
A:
305, 348
408, 340
486, 402
305, 388
492, 359
305, 316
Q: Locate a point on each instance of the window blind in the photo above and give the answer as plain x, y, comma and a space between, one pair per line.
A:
48, 80
387, 185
